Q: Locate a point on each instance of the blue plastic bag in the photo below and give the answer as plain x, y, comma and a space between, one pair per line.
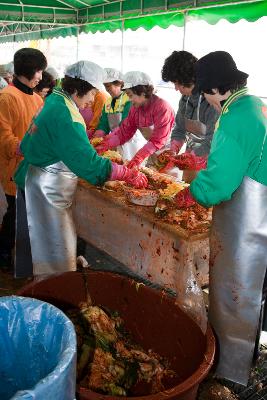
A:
38, 351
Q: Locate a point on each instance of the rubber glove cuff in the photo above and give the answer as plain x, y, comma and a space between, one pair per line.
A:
110, 141
132, 177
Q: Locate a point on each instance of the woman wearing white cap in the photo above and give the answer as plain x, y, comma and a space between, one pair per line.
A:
57, 151
116, 109
117, 106
150, 114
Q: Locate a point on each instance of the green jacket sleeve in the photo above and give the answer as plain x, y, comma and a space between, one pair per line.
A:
74, 149
225, 171
126, 110
103, 123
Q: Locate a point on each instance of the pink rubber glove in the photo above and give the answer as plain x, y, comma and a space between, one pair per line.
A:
132, 177
143, 153
190, 161
176, 145
98, 133
184, 199
110, 141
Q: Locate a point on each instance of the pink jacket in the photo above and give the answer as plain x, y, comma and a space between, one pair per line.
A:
156, 114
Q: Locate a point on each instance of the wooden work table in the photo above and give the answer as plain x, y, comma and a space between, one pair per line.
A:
164, 253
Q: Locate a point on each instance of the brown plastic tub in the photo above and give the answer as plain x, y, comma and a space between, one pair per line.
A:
150, 315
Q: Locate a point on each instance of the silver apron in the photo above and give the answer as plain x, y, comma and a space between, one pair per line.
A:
114, 120
238, 263
195, 135
49, 192
195, 129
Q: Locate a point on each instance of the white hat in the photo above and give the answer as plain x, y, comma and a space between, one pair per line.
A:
111, 75
135, 78
53, 72
3, 83
87, 71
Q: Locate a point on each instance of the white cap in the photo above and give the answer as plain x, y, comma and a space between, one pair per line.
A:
87, 71
111, 75
3, 83
53, 72
135, 78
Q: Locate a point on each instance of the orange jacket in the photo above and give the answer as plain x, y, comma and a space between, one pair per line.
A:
97, 107
16, 112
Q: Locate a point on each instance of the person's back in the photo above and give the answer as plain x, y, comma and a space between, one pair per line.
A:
16, 112
42, 149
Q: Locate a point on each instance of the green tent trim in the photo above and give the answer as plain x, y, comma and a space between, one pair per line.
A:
134, 22
212, 14
250, 12
48, 22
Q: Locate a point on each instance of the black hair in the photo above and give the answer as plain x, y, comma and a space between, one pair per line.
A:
116, 83
46, 82
179, 67
233, 87
72, 85
147, 90
28, 61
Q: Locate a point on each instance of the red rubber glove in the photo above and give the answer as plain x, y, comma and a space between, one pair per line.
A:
170, 165
176, 145
167, 158
135, 162
132, 177
110, 141
190, 161
184, 199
